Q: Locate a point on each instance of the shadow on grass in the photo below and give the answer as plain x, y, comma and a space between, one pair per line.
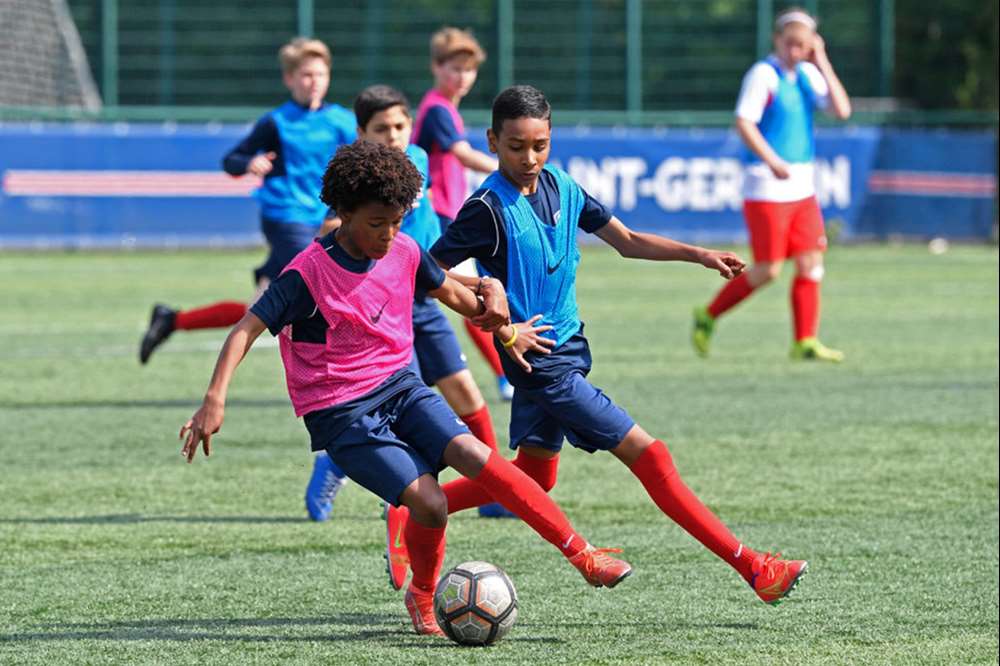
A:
138, 518
380, 628
138, 404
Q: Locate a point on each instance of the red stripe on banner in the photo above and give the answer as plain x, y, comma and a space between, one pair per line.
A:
27, 183
933, 184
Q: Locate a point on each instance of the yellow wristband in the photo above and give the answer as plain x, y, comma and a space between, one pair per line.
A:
507, 344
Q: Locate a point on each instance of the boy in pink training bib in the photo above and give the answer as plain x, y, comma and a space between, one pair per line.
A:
455, 60
343, 311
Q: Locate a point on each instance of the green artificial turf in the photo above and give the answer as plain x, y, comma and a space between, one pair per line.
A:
882, 472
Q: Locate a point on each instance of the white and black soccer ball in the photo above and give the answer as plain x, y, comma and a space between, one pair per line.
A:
475, 603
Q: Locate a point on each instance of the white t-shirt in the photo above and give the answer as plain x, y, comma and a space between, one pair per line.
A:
760, 83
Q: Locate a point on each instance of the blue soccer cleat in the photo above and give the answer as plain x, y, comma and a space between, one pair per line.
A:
495, 510
505, 388
325, 483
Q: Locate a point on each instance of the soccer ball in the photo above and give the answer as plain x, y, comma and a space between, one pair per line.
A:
475, 603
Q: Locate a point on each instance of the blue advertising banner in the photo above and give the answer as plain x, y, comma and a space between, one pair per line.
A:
122, 185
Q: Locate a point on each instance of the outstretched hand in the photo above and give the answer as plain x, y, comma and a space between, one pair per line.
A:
728, 264
200, 428
530, 340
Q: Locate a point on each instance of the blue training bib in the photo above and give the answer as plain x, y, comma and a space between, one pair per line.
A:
542, 258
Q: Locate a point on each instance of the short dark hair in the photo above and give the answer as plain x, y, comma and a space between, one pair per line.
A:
377, 98
520, 102
367, 172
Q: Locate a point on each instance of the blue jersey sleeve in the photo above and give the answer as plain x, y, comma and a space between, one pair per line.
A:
438, 130
286, 301
594, 215
476, 232
429, 274
262, 138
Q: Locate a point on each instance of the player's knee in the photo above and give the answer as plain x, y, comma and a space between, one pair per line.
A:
763, 273
430, 508
461, 392
814, 272
772, 271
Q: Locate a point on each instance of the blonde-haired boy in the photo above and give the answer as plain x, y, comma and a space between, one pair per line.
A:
455, 60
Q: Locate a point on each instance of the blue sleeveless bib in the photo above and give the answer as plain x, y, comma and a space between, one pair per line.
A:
542, 258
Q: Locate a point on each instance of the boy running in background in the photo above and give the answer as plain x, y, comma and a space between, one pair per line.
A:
521, 226
455, 59
774, 117
383, 116
288, 148
342, 311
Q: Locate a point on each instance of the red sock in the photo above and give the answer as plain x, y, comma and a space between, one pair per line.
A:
481, 425
217, 315
465, 493
730, 295
655, 468
518, 493
426, 548
805, 307
484, 341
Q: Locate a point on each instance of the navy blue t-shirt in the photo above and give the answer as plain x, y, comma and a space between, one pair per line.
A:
438, 131
288, 301
479, 232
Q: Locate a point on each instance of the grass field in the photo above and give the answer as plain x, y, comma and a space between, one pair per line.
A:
882, 472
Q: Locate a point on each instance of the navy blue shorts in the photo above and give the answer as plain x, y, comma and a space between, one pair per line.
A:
571, 407
285, 240
437, 353
386, 449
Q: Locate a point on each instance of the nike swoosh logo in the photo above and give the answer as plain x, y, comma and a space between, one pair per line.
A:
397, 542
553, 269
375, 317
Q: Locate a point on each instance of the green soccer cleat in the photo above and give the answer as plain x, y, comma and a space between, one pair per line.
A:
701, 334
811, 349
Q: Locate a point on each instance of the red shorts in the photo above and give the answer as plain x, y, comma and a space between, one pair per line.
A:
779, 230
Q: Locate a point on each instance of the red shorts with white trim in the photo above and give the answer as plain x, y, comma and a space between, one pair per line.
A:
779, 229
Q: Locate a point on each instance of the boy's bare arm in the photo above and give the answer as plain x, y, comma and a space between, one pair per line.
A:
473, 159
840, 103
638, 245
495, 310
208, 419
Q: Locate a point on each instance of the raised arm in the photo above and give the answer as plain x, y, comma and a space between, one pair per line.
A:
208, 419
473, 159
637, 245
840, 103
256, 153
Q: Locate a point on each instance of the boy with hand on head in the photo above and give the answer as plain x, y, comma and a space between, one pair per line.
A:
455, 60
774, 117
342, 311
521, 226
288, 148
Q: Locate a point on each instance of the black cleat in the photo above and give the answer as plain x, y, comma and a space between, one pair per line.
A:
161, 325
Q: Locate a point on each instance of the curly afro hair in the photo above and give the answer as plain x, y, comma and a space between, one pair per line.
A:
365, 172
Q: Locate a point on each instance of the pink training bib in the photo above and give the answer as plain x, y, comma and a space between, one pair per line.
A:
370, 334
448, 184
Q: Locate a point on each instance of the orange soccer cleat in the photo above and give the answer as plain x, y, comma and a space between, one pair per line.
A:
420, 606
773, 578
599, 568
